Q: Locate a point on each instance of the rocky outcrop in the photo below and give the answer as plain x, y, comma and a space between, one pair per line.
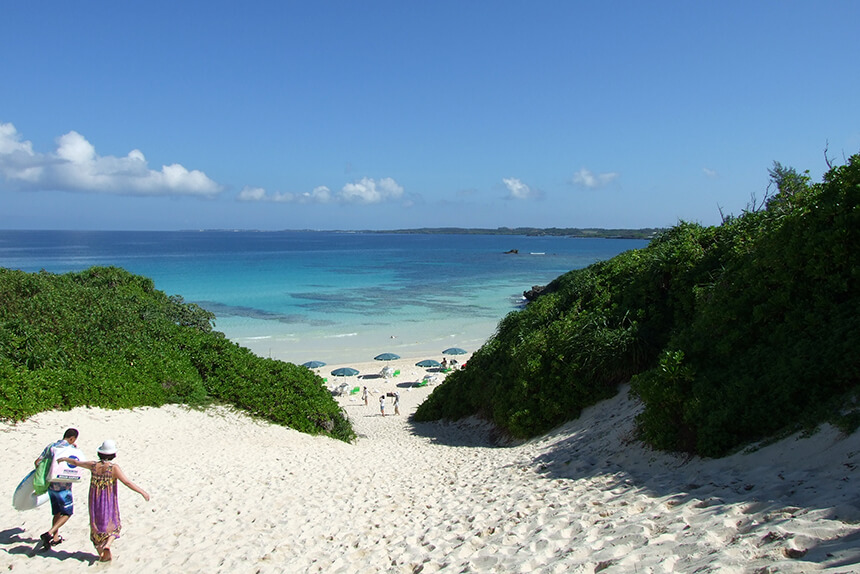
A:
534, 292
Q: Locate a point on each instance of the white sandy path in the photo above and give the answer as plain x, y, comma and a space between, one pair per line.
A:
231, 494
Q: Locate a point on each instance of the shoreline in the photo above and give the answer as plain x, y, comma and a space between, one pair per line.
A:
426, 341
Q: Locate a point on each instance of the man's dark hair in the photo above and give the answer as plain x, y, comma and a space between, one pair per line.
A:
71, 433
103, 456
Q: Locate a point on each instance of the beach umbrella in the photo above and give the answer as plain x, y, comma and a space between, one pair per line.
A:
454, 351
344, 372
313, 364
387, 357
428, 363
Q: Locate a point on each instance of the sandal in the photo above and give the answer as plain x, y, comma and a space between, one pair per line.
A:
106, 556
58, 540
46, 539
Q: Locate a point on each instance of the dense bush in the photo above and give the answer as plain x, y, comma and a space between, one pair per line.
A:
590, 330
774, 340
730, 333
105, 337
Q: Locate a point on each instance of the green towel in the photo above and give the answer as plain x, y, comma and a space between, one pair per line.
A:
40, 479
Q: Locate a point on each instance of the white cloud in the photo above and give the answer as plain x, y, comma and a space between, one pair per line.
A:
17, 159
519, 190
590, 180
366, 191
75, 166
259, 194
710, 173
320, 194
252, 194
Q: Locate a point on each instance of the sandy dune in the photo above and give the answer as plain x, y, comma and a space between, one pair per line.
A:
233, 494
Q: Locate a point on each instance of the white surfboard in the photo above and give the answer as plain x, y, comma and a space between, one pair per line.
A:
25, 497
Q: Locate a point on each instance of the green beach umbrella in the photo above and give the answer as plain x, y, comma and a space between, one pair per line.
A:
344, 372
313, 364
387, 357
454, 351
428, 363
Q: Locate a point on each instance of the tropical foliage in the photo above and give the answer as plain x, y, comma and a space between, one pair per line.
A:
105, 337
729, 333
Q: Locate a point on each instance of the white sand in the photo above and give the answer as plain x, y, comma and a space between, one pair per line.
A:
232, 494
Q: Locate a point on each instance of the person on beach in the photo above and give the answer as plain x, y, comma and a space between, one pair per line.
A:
382, 404
396, 403
364, 395
105, 522
60, 493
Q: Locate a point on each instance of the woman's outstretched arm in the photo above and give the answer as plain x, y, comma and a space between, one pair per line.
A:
120, 475
87, 464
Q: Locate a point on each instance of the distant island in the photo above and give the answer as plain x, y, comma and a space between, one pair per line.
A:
644, 233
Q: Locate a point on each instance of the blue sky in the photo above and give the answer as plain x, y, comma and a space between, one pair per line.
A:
379, 115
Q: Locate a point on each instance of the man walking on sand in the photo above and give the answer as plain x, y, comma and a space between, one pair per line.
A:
60, 493
382, 404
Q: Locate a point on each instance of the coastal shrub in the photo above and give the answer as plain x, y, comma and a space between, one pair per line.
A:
773, 344
590, 330
730, 333
105, 337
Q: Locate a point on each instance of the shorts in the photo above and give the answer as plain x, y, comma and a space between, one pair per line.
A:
61, 502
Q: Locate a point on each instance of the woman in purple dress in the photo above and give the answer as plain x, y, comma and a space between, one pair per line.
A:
103, 502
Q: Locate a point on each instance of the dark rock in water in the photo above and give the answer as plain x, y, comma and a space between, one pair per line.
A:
512, 251
534, 292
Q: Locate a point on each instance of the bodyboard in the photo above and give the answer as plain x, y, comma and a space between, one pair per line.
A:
25, 496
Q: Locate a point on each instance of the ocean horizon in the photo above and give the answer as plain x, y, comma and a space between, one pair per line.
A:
332, 296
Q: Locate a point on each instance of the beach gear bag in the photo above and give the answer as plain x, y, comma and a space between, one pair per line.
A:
40, 478
63, 471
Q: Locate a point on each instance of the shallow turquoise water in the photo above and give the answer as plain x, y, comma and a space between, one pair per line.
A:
330, 296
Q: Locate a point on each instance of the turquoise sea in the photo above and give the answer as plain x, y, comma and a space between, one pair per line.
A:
330, 296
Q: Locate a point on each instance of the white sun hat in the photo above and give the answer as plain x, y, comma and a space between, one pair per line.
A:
107, 447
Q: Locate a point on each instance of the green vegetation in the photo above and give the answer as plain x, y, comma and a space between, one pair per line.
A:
730, 334
105, 337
